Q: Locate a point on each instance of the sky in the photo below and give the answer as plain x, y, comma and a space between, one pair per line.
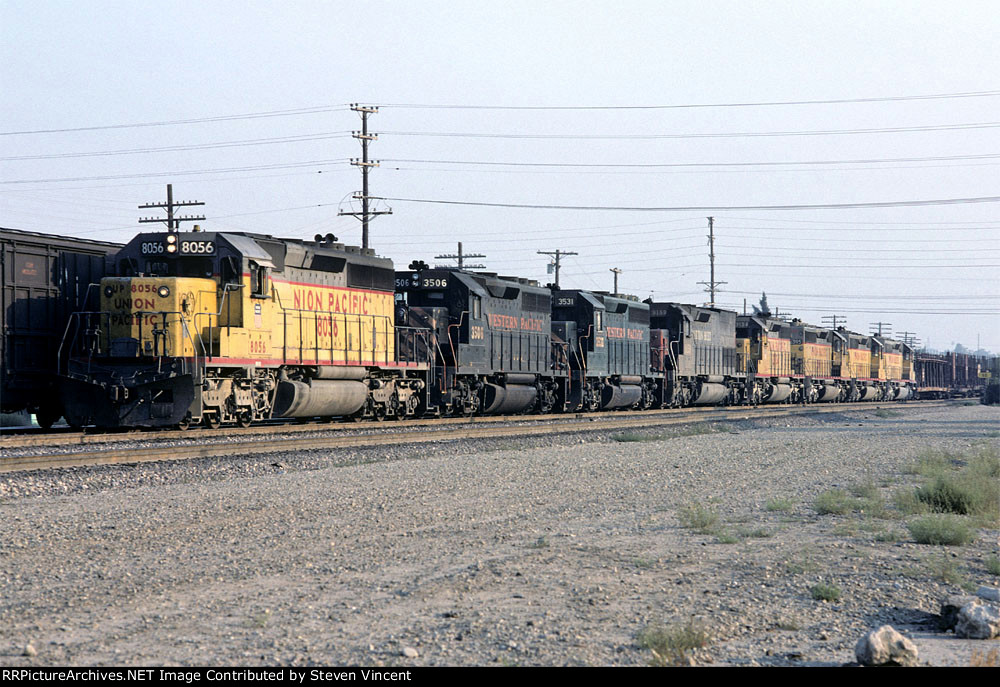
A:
630, 122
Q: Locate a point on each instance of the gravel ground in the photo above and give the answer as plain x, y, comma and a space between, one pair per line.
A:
553, 551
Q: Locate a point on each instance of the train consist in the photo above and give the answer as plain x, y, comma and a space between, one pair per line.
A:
234, 328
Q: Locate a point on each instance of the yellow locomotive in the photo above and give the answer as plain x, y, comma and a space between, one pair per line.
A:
233, 328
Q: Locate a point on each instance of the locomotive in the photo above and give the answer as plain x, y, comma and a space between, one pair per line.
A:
234, 328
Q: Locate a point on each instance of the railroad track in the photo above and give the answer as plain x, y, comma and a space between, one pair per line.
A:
83, 449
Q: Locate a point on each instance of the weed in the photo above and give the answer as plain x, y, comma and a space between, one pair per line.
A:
634, 436
934, 462
943, 529
802, 562
755, 533
866, 489
993, 565
885, 412
907, 502
984, 659
825, 592
948, 570
699, 518
834, 501
728, 538
644, 563
687, 431
784, 504
889, 536
790, 624
540, 543
669, 645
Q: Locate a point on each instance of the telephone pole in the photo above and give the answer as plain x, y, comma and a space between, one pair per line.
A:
365, 164
834, 320
557, 254
910, 339
172, 221
617, 272
711, 283
876, 328
462, 257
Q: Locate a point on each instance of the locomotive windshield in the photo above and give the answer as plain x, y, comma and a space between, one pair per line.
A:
185, 267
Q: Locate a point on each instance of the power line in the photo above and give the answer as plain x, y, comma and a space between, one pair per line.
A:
934, 96
940, 158
707, 208
740, 134
198, 120
196, 146
146, 175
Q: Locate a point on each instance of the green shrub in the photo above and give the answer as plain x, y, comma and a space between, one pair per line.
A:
834, 501
695, 516
993, 565
825, 592
670, 645
782, 503
942, 529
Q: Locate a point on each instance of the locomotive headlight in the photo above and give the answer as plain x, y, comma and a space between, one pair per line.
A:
171, 247
171, 238
108, 291
163, 291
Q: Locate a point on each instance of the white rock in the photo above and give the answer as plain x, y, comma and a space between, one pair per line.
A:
885, 646
410, 652
989, 593
978, 621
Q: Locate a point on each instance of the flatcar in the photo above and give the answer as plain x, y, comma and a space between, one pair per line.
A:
45, 280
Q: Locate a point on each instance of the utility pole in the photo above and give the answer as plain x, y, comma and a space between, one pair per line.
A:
557, 254
173, 221
876, 328
834, 319
461, 257
365, 164
617, 272
910, 339
711, 283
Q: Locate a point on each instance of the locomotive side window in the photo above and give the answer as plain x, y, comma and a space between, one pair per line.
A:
477, 307
258, 277
599, 320
230, 270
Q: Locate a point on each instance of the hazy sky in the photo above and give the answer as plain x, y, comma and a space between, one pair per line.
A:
252, 75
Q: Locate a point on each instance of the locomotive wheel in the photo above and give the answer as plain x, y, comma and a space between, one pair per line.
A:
185, 423
211, 420
244, 418
46, 417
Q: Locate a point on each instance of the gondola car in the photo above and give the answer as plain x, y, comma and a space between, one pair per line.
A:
45, 280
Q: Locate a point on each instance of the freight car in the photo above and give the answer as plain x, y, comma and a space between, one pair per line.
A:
45, 280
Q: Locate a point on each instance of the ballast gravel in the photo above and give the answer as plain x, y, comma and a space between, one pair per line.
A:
521, 551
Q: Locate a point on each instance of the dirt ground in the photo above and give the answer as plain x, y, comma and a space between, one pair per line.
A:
567, 550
